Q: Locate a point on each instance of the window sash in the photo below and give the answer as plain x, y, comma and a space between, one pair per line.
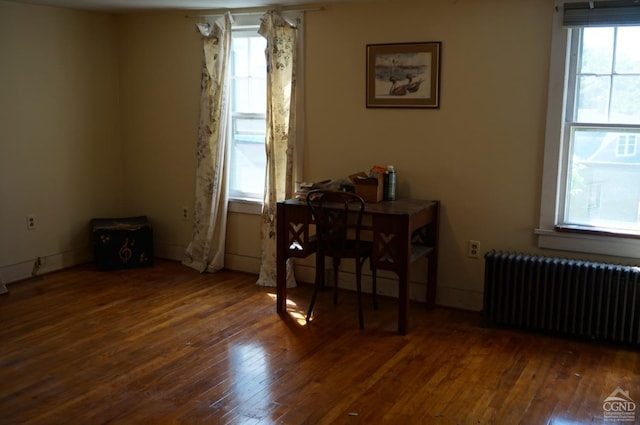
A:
248, 147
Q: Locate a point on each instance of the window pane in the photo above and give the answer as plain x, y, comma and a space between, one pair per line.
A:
257, 56
625, 100
627, 51
248, 159
249, 71
240, 55
597, 51
593, 99
603, 185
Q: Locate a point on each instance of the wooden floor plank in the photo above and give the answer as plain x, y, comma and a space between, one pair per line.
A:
166, 344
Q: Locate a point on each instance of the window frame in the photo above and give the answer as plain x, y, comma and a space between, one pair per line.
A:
244, 31
549, 234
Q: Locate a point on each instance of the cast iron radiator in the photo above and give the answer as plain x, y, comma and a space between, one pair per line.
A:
583, 299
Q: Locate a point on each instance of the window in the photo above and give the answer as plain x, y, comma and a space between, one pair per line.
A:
626, 145
602, 118
248, 105
248, 115
591, 182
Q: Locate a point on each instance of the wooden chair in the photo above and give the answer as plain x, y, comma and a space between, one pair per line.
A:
338, 218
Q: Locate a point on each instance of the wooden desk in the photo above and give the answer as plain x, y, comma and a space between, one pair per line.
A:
402, 231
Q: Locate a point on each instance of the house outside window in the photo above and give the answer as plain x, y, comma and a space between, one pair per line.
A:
591, 183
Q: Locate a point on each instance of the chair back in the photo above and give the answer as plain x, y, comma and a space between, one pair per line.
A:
338, 217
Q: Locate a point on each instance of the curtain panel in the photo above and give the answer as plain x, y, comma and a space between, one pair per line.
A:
207, 247
281, 135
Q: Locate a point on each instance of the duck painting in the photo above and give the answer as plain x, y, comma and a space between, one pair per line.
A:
397, 90
413, 86
403, 75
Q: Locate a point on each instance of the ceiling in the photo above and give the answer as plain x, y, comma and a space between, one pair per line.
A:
118, 6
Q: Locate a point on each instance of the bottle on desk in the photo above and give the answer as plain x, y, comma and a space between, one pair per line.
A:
390, 189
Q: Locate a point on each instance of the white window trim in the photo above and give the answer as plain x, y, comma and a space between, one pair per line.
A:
245, 206
548, 237
254, 206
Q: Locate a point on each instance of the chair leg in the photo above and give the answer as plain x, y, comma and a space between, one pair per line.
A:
336, 268
374, 287
313, 301
359, 292
318, 283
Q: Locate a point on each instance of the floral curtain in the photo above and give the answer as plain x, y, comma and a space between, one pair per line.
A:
280, 143
206, 250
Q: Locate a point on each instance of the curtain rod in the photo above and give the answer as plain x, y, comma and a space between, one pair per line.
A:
250, 10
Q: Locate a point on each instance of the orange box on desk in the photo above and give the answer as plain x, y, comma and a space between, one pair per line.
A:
370, 189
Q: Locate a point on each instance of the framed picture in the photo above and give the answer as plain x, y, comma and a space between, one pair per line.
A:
403, 75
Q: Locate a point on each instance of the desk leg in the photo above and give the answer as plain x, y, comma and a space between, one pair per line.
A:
403, 303
432, 258
281, 286
432, 279
281, 261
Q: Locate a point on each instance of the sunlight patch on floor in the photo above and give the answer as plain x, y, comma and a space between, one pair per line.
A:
298, 314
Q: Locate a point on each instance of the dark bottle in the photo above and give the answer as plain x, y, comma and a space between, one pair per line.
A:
391, 183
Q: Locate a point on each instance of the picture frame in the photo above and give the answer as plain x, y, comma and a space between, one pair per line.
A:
403, 75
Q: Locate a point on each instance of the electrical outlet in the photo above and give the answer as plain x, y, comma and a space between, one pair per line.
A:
185, 213
474, 249
31, 222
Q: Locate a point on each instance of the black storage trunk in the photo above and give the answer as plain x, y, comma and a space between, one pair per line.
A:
121, 243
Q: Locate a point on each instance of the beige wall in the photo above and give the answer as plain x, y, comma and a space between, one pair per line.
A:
480, 153
127, 144
60, 149
160, 80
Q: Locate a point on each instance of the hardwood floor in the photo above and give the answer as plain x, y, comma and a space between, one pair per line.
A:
169, 345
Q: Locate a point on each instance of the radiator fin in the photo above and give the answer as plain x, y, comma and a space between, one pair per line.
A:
591, 300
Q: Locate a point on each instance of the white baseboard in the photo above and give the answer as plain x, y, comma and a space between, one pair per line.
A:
169, 251
242, 263
460, 298
388, 286
387, 283
45, 264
